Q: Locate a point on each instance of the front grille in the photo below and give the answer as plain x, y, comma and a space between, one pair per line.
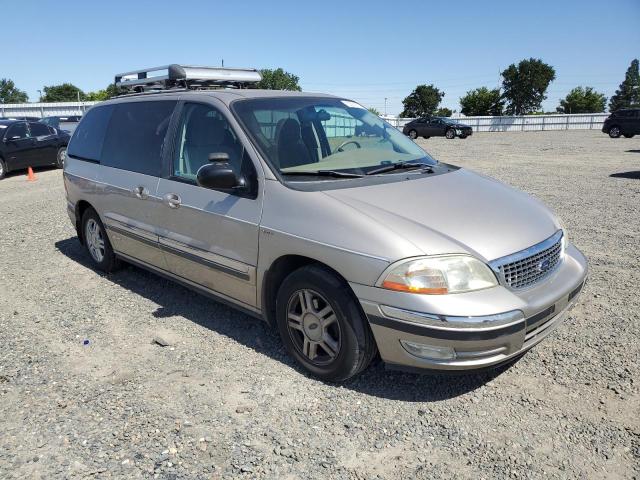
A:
528, 267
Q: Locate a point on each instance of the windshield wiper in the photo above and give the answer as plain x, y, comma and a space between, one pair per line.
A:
399, 166
323, 173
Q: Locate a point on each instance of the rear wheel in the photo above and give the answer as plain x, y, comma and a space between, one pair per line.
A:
322, 326
3, 169
614, 132
61, 157
413, 134
450, 134
629, 135
97, 243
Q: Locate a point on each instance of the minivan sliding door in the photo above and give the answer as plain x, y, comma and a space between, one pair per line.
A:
131, 164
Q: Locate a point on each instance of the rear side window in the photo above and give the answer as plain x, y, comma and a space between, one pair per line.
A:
135, 136
87, 140
39, 130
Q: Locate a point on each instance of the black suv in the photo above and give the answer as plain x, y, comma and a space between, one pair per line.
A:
436, 127
30, 144
624, 122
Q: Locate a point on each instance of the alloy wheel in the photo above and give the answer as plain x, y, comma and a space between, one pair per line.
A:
614, 132
62, 156
450, 134
413, 134
313, 327
94, 240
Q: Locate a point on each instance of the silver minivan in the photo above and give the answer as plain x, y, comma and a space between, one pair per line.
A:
317, 216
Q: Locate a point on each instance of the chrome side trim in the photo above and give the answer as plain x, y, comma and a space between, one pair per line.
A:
335, 247
219, 297
444, 322
235, 265
152, 240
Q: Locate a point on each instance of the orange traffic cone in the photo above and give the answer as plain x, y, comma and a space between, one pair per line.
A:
31, 177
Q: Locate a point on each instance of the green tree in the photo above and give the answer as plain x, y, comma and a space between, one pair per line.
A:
105, 94
423, 101
443, 112
374, 111
278, 79
482, 102
524, 85
65, 92
628, 94
582, 100
10, 94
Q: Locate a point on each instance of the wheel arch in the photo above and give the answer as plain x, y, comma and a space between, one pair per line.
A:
275, 275
81, 207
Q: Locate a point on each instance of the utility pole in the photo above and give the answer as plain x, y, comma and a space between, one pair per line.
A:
40, 94
385, 106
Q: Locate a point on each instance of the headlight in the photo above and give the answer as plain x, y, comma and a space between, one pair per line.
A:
439, 275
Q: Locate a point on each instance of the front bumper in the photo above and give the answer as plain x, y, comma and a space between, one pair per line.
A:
471, 330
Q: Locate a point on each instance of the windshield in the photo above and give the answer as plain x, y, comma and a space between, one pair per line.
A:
310, 135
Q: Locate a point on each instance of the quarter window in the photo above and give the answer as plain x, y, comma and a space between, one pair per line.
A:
87, 140
136, 135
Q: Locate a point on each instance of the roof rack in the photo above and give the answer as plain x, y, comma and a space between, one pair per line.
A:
186, 76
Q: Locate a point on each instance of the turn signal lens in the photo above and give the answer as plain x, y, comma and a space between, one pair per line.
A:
439, 275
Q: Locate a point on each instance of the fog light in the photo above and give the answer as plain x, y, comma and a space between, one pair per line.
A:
431, 352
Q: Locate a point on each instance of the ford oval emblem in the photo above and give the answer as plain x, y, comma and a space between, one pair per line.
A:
544, 265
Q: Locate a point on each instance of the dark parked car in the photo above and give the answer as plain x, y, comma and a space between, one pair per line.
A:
624, 122
436, 127
30, 144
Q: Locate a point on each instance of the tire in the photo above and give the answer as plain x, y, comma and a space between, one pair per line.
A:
450, 133
3, 169
97, 243
614, 132
413, 134
426, 138
342, 347
61, 156
629, 135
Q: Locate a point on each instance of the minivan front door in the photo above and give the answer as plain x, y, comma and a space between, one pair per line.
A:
210, 237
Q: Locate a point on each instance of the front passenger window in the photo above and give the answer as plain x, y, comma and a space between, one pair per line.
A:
202, 131
17, 131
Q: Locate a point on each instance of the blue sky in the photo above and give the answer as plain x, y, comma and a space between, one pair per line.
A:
365, 50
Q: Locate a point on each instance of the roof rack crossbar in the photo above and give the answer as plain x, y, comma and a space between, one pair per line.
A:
186, 76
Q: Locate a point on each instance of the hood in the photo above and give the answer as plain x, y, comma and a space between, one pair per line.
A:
456, 212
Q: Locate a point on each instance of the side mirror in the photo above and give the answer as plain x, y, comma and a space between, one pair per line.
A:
218, 174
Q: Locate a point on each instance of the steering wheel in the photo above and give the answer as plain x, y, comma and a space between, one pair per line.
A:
344, 144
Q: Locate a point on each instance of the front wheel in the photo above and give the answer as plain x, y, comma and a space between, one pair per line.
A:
322, 326
629, 135
3, 169
61, 157
450, 134
413, 134
614, 132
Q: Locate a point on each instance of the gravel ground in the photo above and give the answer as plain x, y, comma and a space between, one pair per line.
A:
86, 393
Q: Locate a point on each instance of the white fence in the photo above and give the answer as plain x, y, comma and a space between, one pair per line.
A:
43, 109
525, 123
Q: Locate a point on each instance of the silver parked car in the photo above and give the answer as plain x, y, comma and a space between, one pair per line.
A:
310, 212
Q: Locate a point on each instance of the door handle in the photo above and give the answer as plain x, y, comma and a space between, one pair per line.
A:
140, 192
172, 200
